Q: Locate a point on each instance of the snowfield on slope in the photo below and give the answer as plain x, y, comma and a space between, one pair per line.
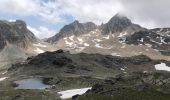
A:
38, 50
3, 78
69, 93
162, 66
40, 45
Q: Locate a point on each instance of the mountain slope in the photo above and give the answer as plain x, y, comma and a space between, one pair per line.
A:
16, 33
116, 37
63, 63
17, 43
119, 23
74, 28
119, 36
158, 39
136, 86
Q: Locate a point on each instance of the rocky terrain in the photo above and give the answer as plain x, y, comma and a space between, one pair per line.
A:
135, 86
17, 43
120, 60
118, 37
158, 39
110, 76
82, 64
16, 33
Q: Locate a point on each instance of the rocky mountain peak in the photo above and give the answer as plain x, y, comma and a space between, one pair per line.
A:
16, 33
75, 28
116, 24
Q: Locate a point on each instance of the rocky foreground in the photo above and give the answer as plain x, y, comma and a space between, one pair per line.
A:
111, 78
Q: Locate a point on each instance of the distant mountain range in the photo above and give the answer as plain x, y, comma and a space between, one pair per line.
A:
118, 37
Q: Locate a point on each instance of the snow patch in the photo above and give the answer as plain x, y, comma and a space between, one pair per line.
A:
4, 72
69, 93
115, 54
163, 41
40, 45
122, 34
97, 40
162, 66
123, 40
98, 46
38, 50
107, 37
86, 44
80, 39
68, 43
155, 42
148, 45
71, 37
122, 69
3, 78
141, 40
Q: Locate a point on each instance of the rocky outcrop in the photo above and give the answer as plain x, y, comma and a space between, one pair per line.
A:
158, 39
135, 86
118, 23
2, 42
86, 64
74, 28
16, 33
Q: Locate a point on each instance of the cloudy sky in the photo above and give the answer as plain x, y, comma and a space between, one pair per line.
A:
46, 17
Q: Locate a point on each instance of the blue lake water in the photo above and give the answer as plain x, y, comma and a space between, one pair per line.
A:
31, 83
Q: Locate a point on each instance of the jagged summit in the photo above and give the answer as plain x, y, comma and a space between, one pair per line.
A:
75, 28
16, 33
117, 23
120, 19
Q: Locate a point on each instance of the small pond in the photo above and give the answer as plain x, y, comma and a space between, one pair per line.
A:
32, 83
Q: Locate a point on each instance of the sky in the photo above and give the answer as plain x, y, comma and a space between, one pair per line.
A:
46, 17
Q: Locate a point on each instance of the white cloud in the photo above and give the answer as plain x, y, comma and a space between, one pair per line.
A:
42, 32
53, 10
149, 13
97, 11
19, 7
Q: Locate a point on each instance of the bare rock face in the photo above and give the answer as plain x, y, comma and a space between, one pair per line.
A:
2, 42
15, 33
116, 24
158, 39
74, 28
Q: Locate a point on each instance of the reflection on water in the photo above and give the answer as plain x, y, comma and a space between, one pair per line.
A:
32, 83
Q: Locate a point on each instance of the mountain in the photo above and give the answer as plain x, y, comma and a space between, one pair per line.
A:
16, 33
158, 39
118, 59
74, 28
17, 42
118, 23
112, 38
